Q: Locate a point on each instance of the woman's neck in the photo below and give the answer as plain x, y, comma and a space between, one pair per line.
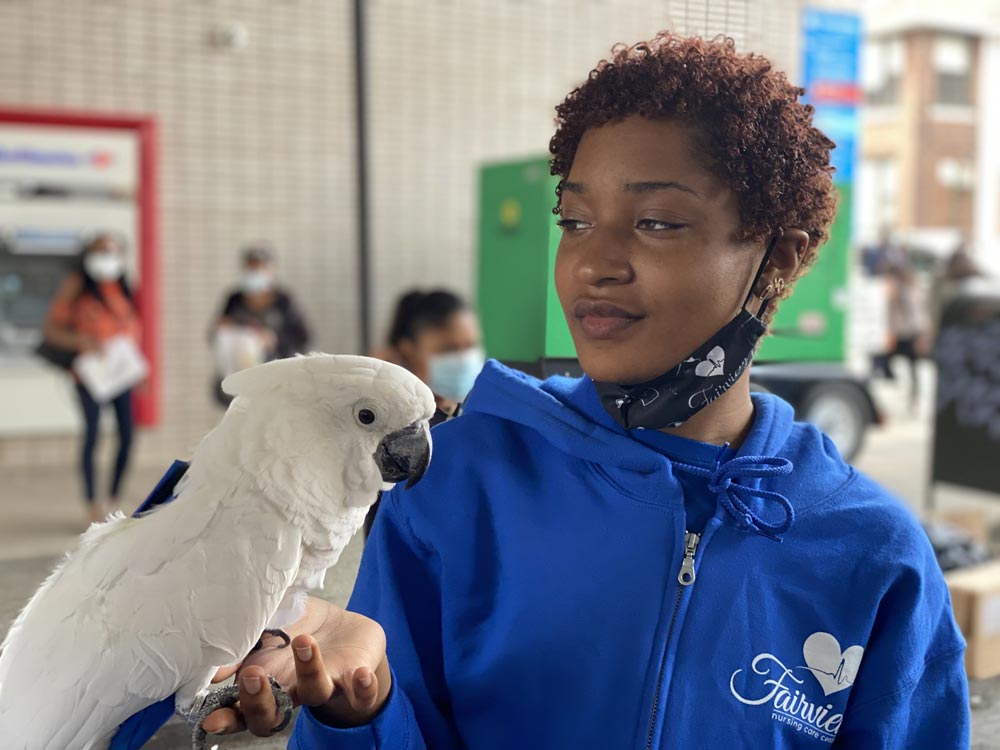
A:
726, 420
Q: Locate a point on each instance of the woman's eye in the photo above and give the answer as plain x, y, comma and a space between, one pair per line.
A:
655, 225
571, 225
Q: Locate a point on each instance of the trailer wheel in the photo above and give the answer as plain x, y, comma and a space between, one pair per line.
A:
839, 411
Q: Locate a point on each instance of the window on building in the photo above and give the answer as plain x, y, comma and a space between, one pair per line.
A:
877, 199
882, 70
952, 57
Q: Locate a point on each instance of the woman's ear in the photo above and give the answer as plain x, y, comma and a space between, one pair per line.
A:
783, 265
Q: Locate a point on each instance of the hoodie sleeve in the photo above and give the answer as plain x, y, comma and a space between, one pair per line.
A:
398, 586
912, 691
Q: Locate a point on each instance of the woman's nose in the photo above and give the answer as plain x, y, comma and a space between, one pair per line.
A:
604, 261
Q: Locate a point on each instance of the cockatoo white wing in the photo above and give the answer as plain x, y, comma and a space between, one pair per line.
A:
142, 608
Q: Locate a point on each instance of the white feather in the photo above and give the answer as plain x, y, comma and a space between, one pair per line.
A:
147, 607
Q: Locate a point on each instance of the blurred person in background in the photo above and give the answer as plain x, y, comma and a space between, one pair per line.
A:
435, 335
260, 321
959, 275
909, 322
93, 306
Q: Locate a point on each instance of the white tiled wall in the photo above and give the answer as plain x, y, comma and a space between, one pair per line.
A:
258, 143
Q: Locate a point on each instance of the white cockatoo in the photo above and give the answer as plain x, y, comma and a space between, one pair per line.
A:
149, 607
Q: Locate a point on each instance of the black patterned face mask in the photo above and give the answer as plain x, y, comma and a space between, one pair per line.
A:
674, 397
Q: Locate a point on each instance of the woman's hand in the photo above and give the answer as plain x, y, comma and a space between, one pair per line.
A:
339, 668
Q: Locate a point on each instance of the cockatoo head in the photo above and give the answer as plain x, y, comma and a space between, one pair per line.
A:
329, 428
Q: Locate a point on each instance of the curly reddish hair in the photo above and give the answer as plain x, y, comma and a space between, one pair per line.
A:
755, 133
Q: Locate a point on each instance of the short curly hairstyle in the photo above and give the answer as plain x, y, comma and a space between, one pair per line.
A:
756, 134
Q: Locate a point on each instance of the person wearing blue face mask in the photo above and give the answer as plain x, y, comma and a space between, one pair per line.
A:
435, 335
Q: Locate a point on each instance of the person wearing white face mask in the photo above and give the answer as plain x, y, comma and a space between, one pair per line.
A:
93, 307
259, 321
436, 336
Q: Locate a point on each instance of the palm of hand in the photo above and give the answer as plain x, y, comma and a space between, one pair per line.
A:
351, 648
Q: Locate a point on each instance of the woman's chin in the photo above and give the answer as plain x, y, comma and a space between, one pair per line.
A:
607, 369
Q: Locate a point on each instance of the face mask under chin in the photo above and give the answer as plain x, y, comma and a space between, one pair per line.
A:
670, 399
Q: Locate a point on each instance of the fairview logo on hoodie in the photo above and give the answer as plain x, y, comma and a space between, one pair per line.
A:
791, 696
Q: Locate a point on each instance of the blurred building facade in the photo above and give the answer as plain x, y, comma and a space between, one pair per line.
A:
929, 171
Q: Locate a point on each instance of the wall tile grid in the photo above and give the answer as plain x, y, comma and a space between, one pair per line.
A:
259, 143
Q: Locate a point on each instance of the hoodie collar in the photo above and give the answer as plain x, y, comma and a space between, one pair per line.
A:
568, 412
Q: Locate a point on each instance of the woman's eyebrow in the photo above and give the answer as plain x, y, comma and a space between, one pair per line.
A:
649, 187
634, 187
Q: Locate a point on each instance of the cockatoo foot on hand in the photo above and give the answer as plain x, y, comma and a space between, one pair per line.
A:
277, 633
227, 697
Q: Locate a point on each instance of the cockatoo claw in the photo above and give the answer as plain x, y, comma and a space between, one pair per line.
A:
277, 633
227, 697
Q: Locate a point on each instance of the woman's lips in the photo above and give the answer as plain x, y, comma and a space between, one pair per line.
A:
603, 320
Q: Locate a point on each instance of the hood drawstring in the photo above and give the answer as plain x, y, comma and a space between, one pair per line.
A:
734, 497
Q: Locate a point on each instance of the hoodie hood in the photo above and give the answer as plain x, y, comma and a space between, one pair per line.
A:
569, 414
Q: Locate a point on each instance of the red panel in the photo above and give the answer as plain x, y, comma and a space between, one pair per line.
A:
147, 403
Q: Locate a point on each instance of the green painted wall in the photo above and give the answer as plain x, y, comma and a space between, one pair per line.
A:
811, 324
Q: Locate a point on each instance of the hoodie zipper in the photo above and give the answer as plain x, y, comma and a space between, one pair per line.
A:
685, 578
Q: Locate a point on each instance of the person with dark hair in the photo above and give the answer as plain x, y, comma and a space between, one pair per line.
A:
260, 321
648, 556
93, 306
435, 335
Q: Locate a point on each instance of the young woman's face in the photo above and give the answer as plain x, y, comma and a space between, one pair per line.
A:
649, 266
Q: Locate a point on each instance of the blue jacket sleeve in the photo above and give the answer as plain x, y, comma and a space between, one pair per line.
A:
394, 727
917, 695
398, 585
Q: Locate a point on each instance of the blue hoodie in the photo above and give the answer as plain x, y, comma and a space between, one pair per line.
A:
529, 590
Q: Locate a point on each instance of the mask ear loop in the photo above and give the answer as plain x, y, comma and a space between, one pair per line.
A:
760, 272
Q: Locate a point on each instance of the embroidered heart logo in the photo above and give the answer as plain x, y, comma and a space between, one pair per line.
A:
833, 669
713, 363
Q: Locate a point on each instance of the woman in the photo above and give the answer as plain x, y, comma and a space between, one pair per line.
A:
909, 324
263, 311
435, 335
93, 306
647, 556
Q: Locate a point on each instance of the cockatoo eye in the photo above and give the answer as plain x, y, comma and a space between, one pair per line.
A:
366, 414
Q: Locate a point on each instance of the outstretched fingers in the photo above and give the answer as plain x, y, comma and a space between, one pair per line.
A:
313, 684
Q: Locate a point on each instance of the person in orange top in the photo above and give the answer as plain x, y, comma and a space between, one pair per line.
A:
93, 306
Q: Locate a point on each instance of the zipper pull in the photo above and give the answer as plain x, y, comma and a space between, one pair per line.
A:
686, 576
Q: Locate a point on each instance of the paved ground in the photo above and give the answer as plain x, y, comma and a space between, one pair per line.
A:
40, 520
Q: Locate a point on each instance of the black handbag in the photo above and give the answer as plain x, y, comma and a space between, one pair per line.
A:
56, 355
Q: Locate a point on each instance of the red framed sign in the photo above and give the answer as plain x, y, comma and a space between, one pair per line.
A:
63, 174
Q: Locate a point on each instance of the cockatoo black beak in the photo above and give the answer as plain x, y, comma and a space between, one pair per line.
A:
405, 454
